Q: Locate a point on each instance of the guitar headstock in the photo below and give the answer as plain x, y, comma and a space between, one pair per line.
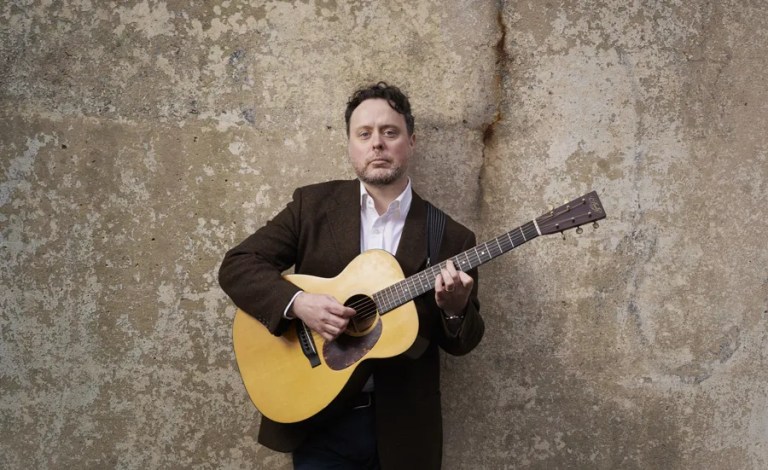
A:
580, 211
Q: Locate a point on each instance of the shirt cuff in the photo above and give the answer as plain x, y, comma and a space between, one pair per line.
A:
287, 312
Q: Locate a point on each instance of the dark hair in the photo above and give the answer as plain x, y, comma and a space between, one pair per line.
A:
396, 99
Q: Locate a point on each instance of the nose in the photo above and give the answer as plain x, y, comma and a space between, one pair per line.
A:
377, 142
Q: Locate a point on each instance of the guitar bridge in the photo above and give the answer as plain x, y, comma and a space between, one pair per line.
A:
307, 344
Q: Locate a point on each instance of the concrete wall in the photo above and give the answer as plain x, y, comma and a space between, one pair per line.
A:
141, 139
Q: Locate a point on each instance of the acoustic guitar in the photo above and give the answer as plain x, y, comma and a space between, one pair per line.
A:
294, 376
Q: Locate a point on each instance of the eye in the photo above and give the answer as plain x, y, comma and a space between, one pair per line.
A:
390, 133
364, 134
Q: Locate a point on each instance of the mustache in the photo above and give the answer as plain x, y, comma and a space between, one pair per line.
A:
378, 156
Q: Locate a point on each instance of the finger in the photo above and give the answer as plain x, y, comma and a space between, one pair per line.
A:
333, 306
447, 280
348, 312
466, 280
451, 269
455, 273
330, 333
335, 331
334, 320
342, 312
439, 284
322, 329
327, 336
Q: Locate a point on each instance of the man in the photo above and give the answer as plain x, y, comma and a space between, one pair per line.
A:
388, 415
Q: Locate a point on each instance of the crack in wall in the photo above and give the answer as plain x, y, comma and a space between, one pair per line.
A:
499, 80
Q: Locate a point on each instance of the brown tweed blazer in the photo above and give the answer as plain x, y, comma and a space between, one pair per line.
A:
319, 234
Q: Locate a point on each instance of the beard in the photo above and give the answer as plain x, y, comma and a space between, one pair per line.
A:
380, 176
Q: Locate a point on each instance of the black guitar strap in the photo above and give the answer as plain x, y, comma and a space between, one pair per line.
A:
435, 229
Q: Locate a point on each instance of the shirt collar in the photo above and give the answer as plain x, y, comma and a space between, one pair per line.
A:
402, 203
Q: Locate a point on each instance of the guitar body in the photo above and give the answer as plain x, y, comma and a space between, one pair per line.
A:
279, 377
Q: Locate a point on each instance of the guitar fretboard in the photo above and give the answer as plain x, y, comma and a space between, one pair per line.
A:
408, 289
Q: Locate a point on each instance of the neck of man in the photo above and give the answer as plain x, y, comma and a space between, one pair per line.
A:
384, 194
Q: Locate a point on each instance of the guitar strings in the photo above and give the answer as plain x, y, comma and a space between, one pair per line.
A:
472, 255
395, 300
367, 307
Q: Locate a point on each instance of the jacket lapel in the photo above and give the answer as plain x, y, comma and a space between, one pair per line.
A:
344, 221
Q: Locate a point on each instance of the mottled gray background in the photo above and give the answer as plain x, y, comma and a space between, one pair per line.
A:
141, 139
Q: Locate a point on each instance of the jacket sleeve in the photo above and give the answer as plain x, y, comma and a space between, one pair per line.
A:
468, 335
251, 273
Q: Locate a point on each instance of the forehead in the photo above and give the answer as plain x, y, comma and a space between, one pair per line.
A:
375, 112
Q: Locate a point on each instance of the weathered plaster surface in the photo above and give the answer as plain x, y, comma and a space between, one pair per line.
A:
141, 139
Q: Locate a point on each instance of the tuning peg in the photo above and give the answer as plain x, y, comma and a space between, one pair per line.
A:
563, 234
595, 225
579, 230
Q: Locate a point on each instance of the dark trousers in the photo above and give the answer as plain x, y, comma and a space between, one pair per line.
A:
346, 442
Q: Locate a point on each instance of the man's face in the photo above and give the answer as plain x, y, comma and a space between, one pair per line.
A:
379, 145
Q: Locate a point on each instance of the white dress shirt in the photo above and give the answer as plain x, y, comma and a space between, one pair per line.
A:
383, 231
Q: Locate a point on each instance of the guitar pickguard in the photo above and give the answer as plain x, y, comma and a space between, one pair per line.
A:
347, 349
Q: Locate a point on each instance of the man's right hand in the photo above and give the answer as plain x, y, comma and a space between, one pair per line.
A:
322, 313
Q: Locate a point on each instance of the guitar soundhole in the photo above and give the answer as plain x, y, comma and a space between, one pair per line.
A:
366, 315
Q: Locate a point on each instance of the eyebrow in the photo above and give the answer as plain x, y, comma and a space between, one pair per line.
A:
368, 126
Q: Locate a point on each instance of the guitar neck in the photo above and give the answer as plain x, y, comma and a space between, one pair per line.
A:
424, 281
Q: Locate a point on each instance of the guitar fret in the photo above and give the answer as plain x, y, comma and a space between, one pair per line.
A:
509, 235
493, 248
488, 251
395, 293
414, 286
384, 300
391, 294
379, 301
531, 227
508, 242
